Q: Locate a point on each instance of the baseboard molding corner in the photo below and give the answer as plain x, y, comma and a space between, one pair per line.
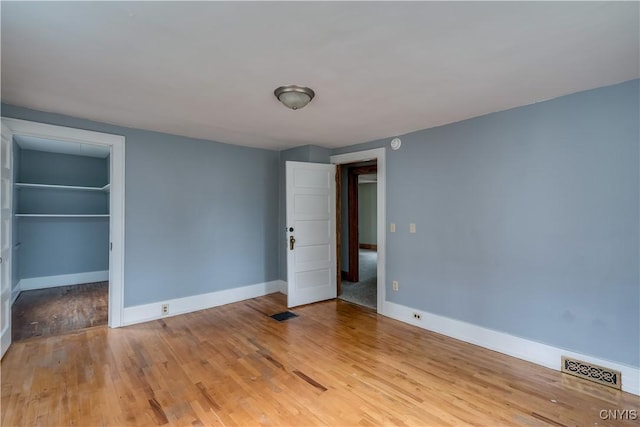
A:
283, 287
15, 293
153, 311
5, 341
531, 351
44, 282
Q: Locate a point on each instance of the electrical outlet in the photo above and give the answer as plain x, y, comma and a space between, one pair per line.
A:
394, 285
417, 316
412, 228
392, 228
165, 308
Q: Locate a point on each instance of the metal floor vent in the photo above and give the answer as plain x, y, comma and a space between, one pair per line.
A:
283, 316
591, 372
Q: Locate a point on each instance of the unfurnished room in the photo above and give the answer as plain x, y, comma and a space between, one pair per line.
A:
320, 213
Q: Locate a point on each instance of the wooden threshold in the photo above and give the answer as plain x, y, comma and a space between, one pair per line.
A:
368, 246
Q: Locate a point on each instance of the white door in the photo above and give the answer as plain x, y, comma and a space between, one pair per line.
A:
311, 232
6, 196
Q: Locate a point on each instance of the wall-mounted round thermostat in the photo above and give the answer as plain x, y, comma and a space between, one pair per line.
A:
395, 143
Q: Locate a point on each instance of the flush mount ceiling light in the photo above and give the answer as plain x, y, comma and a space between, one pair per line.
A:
293, 96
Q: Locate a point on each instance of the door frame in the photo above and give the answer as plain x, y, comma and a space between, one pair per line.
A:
377, 154
6, 260
116, 144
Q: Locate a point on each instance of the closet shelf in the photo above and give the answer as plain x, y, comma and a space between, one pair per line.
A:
62, 187
62, 215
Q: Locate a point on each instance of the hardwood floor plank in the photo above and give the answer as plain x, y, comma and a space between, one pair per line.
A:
335, 364
310, 381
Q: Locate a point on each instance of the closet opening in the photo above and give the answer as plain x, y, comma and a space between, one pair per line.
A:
61, 236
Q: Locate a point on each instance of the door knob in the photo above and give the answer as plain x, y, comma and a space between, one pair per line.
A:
292, 241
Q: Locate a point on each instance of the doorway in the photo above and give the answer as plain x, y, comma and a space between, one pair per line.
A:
362, 261
359, 243
113, 215
61, 236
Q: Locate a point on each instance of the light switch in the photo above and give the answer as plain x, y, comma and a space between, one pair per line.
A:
412, 228
392, 228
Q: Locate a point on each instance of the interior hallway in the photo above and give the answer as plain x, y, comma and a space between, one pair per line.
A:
364, 292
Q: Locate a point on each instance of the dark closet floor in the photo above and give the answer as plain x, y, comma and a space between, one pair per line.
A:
53, 311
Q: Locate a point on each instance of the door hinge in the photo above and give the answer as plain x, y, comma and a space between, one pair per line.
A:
110, 246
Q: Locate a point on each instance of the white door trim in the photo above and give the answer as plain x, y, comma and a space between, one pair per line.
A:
116, 198
6, 242
377, 154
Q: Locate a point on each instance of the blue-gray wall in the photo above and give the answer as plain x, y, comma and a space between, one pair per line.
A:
368, 213
200, 216
56, 246
41, 167
527, 221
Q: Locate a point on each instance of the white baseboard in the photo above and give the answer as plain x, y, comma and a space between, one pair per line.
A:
32, 283
284, 289
153, 311
5, 341
531, 351
15, 293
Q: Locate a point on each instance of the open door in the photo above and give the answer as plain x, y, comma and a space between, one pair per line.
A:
6, 199
311, 232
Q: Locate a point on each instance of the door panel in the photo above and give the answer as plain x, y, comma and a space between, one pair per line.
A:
311, 263
313, 279
311, 204
310, 178
6, 199
309, 254
312, 232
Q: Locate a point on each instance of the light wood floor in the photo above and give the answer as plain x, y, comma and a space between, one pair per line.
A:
335, 364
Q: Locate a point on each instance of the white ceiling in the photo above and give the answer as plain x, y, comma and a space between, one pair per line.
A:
379, 69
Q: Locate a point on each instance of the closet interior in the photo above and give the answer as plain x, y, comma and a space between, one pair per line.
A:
61, 232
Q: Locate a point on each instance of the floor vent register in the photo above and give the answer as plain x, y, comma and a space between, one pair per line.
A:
285, 315
591, 372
